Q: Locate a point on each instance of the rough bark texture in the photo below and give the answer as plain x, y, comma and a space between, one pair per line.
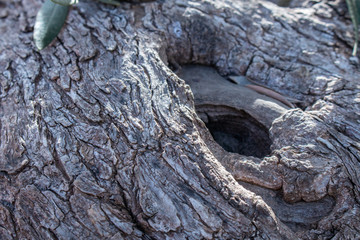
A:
100, 138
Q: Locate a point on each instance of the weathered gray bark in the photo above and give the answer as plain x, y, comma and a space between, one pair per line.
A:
100, 139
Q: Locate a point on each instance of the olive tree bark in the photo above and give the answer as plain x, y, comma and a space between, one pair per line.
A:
100, 138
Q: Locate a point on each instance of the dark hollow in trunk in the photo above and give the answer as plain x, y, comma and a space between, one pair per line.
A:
236, 131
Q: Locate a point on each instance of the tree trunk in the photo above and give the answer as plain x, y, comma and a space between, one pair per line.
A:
100, 138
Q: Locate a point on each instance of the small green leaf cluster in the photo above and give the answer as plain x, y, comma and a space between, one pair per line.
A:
51, 18
354, 10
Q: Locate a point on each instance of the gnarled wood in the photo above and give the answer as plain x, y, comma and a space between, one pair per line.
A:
100, 138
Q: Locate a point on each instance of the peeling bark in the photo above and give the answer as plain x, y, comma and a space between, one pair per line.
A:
100, 138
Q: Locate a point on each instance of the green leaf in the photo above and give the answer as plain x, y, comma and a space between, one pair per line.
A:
354, 10
65, 2
49, 21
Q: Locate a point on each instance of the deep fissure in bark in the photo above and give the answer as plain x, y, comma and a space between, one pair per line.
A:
299, 216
